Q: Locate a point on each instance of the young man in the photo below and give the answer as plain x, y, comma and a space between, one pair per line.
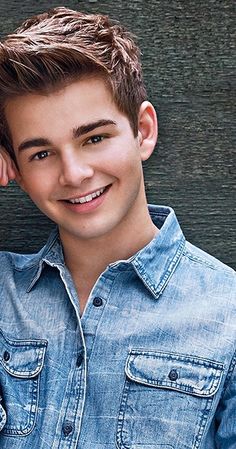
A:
118, 333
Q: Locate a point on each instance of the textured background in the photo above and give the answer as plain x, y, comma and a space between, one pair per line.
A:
189, 61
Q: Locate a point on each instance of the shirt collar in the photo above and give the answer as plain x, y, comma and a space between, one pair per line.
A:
154, 264
51, 254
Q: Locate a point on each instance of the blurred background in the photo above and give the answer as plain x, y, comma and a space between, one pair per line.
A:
188, 55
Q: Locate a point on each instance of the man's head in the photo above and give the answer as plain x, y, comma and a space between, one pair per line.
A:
75, 121
58, 47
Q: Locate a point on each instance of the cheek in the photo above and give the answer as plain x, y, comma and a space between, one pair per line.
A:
35, 180
35, 185
122, 159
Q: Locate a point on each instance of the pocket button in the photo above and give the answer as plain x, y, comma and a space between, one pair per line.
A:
173, 375
6, 356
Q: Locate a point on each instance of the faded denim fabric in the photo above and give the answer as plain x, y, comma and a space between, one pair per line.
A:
150, 365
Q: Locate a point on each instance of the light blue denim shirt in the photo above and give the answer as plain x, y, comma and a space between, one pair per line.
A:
150, 365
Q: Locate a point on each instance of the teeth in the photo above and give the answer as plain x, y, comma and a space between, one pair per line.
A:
87, 198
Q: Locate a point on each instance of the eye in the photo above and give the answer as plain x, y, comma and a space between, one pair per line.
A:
40, 155
95, 139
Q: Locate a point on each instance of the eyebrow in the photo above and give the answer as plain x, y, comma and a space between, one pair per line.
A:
77, 132
84, 129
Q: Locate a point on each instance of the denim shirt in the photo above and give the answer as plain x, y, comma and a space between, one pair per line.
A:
149, 365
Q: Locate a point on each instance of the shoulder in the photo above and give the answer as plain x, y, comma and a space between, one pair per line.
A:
208, 273
10, 262
203, 260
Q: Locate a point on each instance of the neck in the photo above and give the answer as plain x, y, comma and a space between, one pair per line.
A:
92, 256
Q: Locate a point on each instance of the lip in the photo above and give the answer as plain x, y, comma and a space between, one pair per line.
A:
82, 208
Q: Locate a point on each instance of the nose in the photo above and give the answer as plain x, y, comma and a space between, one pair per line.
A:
74, 170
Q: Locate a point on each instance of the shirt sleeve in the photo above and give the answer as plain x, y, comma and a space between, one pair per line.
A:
226, 413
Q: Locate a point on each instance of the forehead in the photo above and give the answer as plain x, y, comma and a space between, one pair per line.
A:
52, 113
77, 93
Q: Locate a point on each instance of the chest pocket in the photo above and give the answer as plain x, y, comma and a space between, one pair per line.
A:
21, 362
166, 400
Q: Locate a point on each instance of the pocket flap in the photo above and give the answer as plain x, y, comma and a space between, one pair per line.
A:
188, 374
22, 358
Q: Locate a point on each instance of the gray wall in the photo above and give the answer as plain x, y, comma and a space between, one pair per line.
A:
188, 58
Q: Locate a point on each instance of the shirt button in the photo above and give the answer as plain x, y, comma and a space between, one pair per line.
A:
79, 360
67, 428
173, 375
97, 302
6, 356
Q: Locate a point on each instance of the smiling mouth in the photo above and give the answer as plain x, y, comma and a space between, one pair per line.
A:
88, 198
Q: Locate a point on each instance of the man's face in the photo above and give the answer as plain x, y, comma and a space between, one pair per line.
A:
78, 158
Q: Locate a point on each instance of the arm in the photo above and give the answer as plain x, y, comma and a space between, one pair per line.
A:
7, 168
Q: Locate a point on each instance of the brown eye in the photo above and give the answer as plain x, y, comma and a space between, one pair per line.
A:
41, 155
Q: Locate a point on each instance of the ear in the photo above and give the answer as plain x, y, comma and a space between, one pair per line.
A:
147, 129
11, 170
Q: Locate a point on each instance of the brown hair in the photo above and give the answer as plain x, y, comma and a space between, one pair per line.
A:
61, 45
